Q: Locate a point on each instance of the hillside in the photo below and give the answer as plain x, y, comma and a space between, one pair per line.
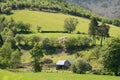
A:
106, 8
53, 21
58, 39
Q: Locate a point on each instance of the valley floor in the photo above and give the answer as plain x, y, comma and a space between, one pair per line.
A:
5, 75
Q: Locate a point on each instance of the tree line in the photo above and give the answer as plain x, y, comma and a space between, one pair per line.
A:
52, 6
10, 53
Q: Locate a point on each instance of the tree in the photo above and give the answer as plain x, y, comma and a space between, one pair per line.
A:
75, 44
12, 25
102, 32
93, 29
15, 59
23, 27
1, 40
7, 33
11, 40
70, 24
96, 53
37, 54
34, 39
5, 9
2, 23
80, 66
19, 38
38, 28
111, 56
48, 45
5, 55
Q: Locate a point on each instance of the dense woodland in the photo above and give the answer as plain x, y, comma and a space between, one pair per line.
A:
13, 40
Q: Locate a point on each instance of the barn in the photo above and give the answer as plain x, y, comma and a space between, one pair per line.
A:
62, 64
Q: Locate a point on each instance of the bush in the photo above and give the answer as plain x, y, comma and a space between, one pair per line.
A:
102, 72
80, 66
54, 31
78, 32
50, 46
47, 61
76, 44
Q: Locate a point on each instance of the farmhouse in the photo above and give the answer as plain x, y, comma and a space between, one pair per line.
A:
63, 64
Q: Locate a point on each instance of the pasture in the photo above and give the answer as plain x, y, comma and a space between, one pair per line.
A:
6, 75
53, 21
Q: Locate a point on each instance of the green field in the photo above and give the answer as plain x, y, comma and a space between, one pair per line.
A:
5, 75
48, 21
53, 21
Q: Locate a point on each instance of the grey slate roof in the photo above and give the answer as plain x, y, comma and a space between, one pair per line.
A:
61, 62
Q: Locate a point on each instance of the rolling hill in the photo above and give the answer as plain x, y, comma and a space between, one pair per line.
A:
53, 21
106, 8
42, 16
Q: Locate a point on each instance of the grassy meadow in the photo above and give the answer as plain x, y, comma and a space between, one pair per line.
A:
48, 21
53, 21
6, 75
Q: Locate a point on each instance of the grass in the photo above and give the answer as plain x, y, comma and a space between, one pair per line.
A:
53, 21
48, 21
5, 75
60, 56
55, 35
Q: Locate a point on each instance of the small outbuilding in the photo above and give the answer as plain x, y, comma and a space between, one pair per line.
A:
62, 64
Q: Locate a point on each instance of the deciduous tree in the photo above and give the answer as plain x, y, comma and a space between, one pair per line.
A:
70, 24
37, 54
111, 57
93, 29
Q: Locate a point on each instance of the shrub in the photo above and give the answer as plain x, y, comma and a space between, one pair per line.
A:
50, 46
47, 61
78, 32
80, 66
75, 44
43, 31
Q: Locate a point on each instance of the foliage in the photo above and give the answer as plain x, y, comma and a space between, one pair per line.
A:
111, 56
95, 31
92, 31
37, 54
2, 23
80, 66
23, 27
1, 40
50, 31
15, 59
102, 32
34, 39
9, 58
5, 8
52, 6
50, 46
79, 43
18, 38
7, 33
38, 28
70, 24
11, 40
5, 53
47, 61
